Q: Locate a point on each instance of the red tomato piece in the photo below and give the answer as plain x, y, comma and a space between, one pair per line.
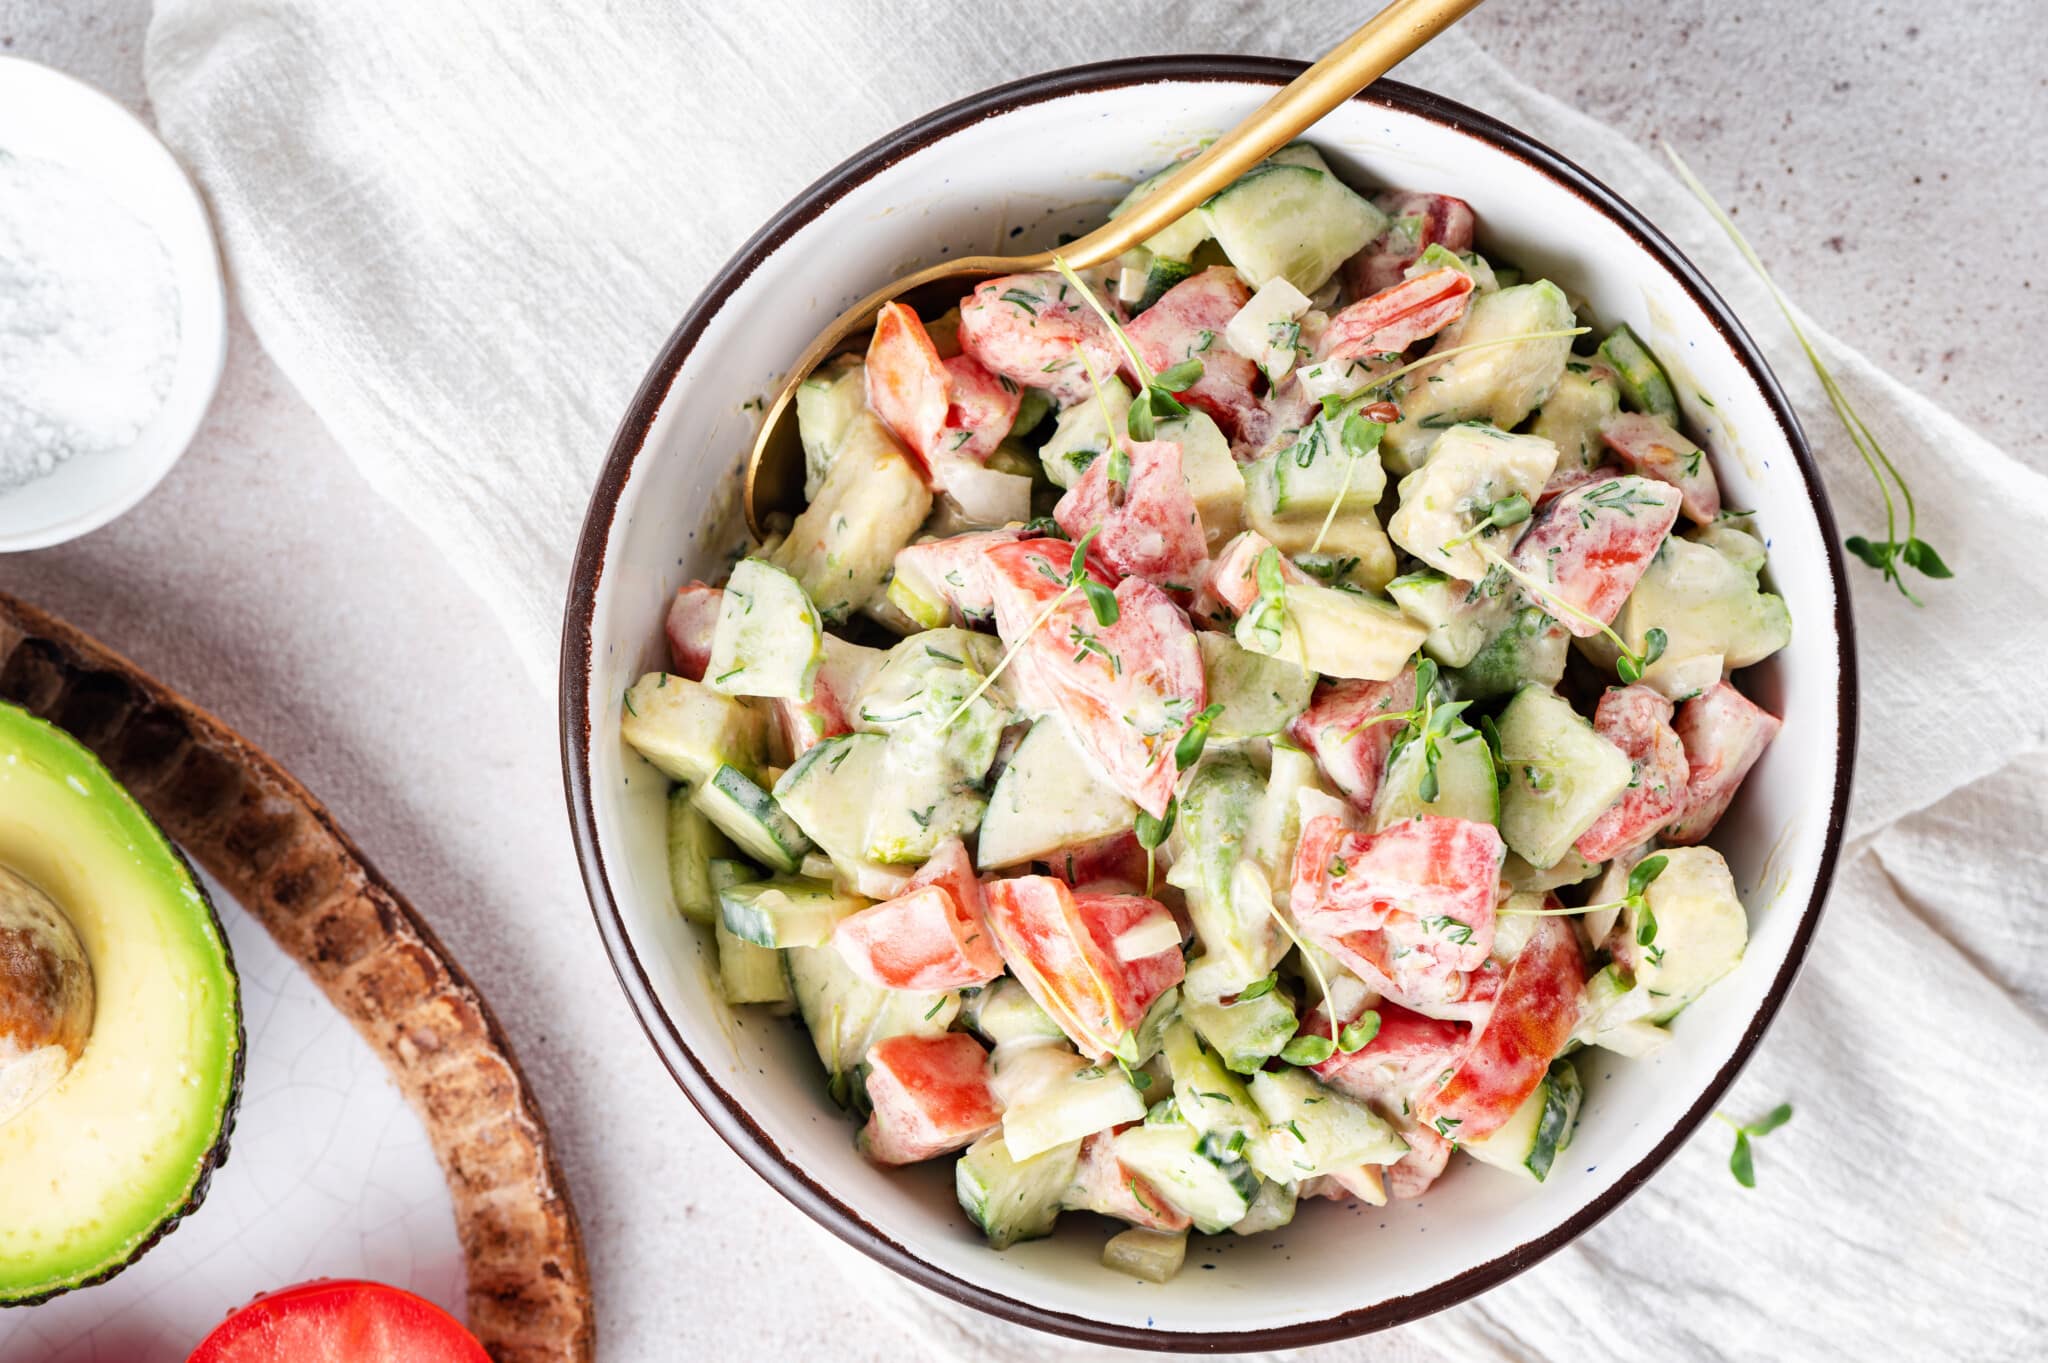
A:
1591, 545
1149, 526
1406, 1056
1428, 1156
1112, 864
981, 407
906, 381
1129, 689
1026, 328
1397, 317
1417, 222
1638, 721
338, 1320
1565, 477
1108, 1187
1724, 733
921, 940
1188, 323
930, 1096
955, 570
1275, 424
1649, 446
1443, 874
807, 723
1414, 979
1232, 584
1062, 946
692, 618
1531, 1021
1347, 729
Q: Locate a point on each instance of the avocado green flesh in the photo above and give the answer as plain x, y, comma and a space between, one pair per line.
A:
99, 1167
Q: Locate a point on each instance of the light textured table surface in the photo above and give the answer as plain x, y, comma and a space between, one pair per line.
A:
1883, 160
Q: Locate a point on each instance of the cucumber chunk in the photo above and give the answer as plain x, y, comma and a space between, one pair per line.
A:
1154, 1255
1082, 435
1209, 1097
1004, 1011
1528, 649
1501, 383
1336, 633
1260, 696
693, 845
1561, 775
846, 1015
1198, 1175
826, 404
1245, 1033
746, 973
870, 505
1231, 917
689, 730
1467, 785
1048, 798
1314, 1130
1644, 384
1291, 219
785, 911
750, 816
1701, 930
1012, 1200
1210, 473
1270, 1210
1461, 616
1571, 417
1708, 604
769, 641
1541, 1128
1176, 243
1088, 1099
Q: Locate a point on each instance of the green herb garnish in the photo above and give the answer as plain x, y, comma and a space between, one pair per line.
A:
1740, 1162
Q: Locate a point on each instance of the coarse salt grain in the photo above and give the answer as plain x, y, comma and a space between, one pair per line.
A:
88, 320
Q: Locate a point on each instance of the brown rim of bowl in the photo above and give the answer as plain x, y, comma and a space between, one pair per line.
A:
725, 1113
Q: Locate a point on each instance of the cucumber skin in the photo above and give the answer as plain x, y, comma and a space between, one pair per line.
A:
1643, 381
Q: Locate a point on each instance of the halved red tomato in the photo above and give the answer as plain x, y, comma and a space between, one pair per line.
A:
1063, 948
1397, 317
340, 1320
930, 1096
692, 618
1347, 728
1188, 323
1724, 733
1530, 1023
1591, 545
1416, 221
1027, 328
1146, 527
1108, 1187
1638, 721
906, 380
1649, 446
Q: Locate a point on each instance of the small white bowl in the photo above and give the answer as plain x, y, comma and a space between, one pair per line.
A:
49, 116
1009, 169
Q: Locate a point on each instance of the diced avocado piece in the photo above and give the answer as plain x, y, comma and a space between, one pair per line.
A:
1466, 783
1571, 417
1088, 1099
1707, 604
1153, 1255
846, 1015
1270, 1210
1048, 798
1501, 383
1004, 1011
1083, 433
1561, 775
871, 504
121, 1044
1175, 244
1332, 631
689, 730
1701, 930
785, 911
1470, 469
1644, 384
1542, 1127
1246, 1032
1260, 696
1012, 1200
1312, 1129
826, 404
1291, 219
769, 641
1210, 472
1529, 648
751, 817
1198, 1175
693, 844
1208, 1096
1461, 616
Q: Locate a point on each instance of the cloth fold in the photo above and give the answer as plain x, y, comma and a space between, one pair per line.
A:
463, 228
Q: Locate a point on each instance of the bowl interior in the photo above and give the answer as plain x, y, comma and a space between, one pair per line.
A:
1014, 179
48, 116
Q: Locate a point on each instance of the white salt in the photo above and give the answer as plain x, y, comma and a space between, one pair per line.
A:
88, 320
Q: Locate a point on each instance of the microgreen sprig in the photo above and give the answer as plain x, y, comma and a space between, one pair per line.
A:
1358, 438
1886, 556
1629, 664
1188, 750
1639, 881
1426, 722
1512, 509
1740, 1162
1101, 600
1152, 832
1156, 392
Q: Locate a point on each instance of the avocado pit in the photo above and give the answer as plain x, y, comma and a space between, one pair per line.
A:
46, 995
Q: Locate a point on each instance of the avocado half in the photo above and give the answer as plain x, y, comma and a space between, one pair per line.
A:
101, 1164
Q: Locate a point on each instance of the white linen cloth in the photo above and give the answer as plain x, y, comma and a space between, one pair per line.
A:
463, 229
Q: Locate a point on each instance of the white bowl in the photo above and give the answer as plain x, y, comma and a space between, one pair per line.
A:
1010, 169
49, 116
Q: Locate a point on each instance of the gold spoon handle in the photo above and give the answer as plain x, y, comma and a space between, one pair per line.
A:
1386, 38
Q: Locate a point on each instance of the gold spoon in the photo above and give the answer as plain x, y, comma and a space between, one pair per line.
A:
775, 467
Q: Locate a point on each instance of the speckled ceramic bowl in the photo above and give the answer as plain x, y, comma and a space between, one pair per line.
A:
1011, 168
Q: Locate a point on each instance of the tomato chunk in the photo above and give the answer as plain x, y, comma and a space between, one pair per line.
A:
692, 617
1591, 545
1347, 728
1441, 875
1148, 525
1027, 328
1724, 734
1109, 865
1188, 323
920, 940
1416, 221
1531, 1021
1638, 721
1397, 317
955, 571
1063, 947
1414, 979
1232, 584
1406, 1056
1108, 1187
906, 381
336, 1320
1428, 1156
930, 1096
1649, 446
980, 409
